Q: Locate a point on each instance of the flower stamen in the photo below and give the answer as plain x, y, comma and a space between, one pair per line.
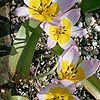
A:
44, 10
71, 72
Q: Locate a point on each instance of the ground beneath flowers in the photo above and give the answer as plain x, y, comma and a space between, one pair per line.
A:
44, 60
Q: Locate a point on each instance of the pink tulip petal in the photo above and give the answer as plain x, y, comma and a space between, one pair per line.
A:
51, 85
55, 81
22, 11
59, 63
73, 15
45, 27
41, 94
56, 22
76, 56
75, 98
72, 54
69, 55
32, 19
68, 44
65, 5
90, 66
50, 43
69, 84
77, 31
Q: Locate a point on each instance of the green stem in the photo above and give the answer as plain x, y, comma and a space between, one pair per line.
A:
45, 74
92, 84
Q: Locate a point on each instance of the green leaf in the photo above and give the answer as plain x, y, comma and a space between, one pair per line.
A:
24, 47
92, 84
24, 62
58, 50
90, 5
16, 98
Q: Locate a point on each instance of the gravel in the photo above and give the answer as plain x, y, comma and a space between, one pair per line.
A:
44, 60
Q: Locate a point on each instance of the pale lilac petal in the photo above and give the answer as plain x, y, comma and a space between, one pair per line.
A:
26, 2
73, 15
59, 63
65, 5
68, 44
45, 27
66, 83
69, 84
78, 31
51, 85
33, 19
76, 55
22, 11
56, 22
55, 81
59, 14
69, 55
75, 98
90, 66
41, 94
78, 83
72, 54
50, 43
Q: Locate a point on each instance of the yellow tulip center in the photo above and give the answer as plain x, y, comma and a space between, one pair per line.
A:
43, 10
58, 93
62, 35
71, 72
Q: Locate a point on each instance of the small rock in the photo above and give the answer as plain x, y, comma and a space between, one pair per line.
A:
99, 41
84, 42
2, 90
95, 51
94, 43
78, 1
86, 36
88, 57
97, 28
89, 19
95, 56
97, 15
89, 29
80, 24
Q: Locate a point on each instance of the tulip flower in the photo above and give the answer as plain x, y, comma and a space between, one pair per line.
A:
44, 10
63, 35
59, 91
69, 68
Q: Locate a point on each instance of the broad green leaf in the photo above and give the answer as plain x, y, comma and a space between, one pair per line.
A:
17, 98
58, 50
92, 84
18, 45
24, 46
90, 5
25, 59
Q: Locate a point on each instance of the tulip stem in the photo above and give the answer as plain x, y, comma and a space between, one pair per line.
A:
92, 84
